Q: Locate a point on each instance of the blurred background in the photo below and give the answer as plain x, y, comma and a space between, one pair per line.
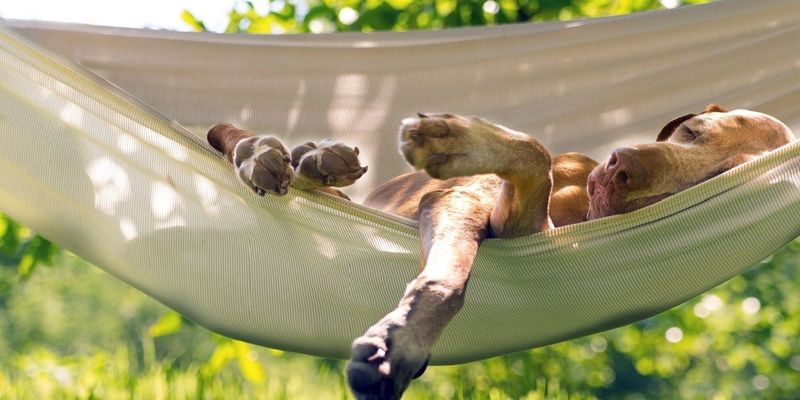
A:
69, 330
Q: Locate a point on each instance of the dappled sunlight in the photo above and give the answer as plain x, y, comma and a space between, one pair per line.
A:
175, 150
71, 114
365, 44
111, 185
325, 246
299, 207
347, 101
245, 114
523, 67
114, 195
127, 143
293, 114
164, 202
128, 228
208, 194
351, 110
378, 240
616, 118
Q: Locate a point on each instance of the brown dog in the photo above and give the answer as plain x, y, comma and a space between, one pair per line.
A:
489, 181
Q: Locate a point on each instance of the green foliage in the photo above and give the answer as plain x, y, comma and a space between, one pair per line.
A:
75, 332
318, 16
228, 351
20, 247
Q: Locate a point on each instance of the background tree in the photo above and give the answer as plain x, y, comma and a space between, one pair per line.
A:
300, 16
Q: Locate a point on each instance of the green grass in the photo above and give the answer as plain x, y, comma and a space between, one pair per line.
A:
73, 332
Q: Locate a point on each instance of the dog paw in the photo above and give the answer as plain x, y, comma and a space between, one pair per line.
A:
263, 164
384, 361
444, 145
326, 164
397, 348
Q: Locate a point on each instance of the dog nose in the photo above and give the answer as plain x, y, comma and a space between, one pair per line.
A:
625, 168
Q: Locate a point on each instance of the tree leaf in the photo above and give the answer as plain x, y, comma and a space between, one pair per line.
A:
223, 354
169, 323
248, 363
37, 251
190, 20
380, 18
26, 265
9, 236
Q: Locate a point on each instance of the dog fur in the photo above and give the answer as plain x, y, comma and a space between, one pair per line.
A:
477, 180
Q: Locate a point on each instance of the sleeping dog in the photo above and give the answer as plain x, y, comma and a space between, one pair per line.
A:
479, 180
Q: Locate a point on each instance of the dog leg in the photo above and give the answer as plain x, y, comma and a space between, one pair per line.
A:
396, 349
448, 146
264, 164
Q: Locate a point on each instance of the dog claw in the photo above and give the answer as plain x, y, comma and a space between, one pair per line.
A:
423, 368
379, 354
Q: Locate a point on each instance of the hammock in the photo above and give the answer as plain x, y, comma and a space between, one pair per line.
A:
102, 174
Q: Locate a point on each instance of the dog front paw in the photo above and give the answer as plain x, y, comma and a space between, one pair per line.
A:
397, 348
384, 361
329, 163
263, 164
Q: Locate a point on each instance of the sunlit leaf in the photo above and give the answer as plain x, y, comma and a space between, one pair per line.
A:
223, 354
400, 4
169, 323
260, 25
276, 352
193, 22
445, 7
26, 265
248, 363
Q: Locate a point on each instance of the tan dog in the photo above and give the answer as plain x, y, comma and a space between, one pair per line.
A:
489, 181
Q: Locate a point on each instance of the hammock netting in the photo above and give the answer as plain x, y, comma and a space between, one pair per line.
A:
91, 165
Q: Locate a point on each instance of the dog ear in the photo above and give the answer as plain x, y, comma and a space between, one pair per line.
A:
714, 107
670, 127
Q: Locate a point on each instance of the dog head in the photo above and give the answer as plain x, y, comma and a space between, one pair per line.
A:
689, 150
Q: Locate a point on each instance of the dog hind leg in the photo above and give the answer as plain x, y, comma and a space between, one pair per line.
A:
448, 146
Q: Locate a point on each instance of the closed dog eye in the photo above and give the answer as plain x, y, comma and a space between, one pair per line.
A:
690, 134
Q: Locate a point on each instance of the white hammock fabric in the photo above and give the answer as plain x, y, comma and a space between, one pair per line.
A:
102, 174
